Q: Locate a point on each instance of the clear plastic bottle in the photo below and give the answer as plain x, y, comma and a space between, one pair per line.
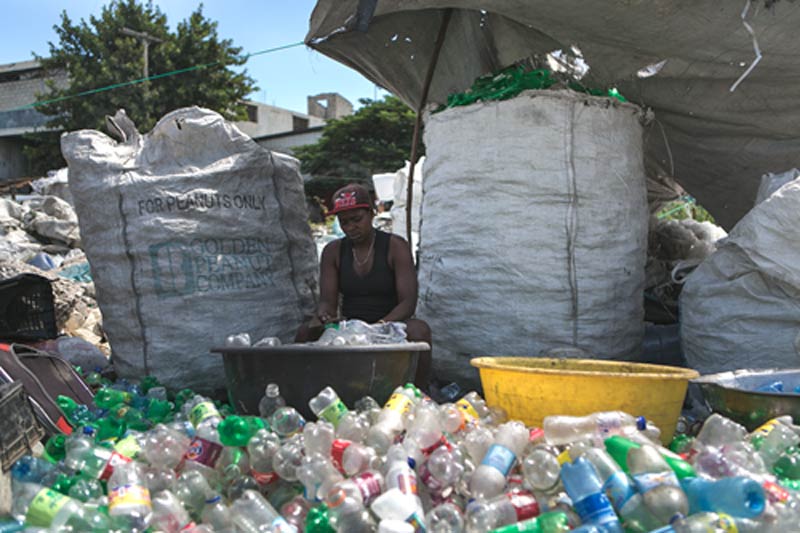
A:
353, 426
42, 507
352, 458
541, 468
165, 447
287, 421
719, 431
168, 513
445, 518
191, 489
318, 476
271, 402
392, 418
508, 508
217, 514
596, 427
489, 478
129, 497
318, 438
657, 483
775, 442
288, 458
252, 513
400, 475
424, 433
347, 512
584, 487
328, 406
619, 446
202, 413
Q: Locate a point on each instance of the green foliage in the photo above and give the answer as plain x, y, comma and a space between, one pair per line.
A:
96, 54
377, 138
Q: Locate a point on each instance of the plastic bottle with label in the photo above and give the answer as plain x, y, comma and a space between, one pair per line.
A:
550, 522
595, 427
252, 513
261, 450
509, 508
129, 498
619, 446
736, 496
703, 522
424, 433
616, 484
489, 478
584, 487
400, 475
657, 483
42, 507
328, 406
392, 418
347, 512
777, 438
394, 505
92, 460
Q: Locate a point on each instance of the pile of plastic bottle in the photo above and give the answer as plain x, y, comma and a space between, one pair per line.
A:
142, 460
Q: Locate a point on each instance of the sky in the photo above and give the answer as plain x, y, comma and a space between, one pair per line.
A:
284, 78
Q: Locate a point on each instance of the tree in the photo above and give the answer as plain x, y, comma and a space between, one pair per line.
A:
98, 53
376, 138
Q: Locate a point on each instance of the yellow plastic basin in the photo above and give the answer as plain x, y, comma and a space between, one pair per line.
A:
531, 388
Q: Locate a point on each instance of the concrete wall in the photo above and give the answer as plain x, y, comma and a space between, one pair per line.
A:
285, 144
12, 162
329, 106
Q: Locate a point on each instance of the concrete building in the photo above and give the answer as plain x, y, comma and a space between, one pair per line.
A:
273, 127
19, 84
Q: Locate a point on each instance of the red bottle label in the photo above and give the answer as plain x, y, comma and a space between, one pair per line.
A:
204, 452
337, 453
116, 459
433, 447
525, 505
263, 478
775, 493
369, 485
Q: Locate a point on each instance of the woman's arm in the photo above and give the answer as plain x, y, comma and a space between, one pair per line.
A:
405, 277
328, 308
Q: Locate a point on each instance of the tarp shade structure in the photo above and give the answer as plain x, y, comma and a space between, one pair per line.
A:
715, 142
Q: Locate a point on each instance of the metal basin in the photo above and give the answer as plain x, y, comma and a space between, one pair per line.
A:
301, 371
733, 394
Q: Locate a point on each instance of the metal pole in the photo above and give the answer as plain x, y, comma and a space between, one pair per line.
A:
437, 47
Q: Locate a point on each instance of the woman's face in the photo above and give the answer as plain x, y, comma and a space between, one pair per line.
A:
356, 224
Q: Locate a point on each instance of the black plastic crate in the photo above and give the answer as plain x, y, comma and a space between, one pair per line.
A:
19, 429
27, 310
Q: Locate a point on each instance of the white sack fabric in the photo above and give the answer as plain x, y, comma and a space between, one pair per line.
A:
740, 308
534, 229
193, 232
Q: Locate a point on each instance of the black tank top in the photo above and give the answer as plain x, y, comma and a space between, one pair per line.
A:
371, 297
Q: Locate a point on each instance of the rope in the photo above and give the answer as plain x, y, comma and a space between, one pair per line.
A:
149, 78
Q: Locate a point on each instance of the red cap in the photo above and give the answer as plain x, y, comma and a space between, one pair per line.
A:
349, 197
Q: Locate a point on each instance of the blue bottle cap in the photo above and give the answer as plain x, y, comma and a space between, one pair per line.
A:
641, 423
412, 463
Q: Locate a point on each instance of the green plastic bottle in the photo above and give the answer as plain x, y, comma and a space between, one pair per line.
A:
54, 448
238, 430
148, 383
68, 406
680, 443
182, 397
110, 428
618, 447
552, 522
317, 520
107, 397
159, 411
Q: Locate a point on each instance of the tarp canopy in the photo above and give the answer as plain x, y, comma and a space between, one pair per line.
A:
714, 141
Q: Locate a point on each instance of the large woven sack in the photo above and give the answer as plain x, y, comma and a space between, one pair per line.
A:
534, 229
193, 232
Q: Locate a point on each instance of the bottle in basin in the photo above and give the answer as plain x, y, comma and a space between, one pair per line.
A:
328, 406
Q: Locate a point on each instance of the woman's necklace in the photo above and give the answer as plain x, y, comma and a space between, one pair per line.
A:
369, 252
